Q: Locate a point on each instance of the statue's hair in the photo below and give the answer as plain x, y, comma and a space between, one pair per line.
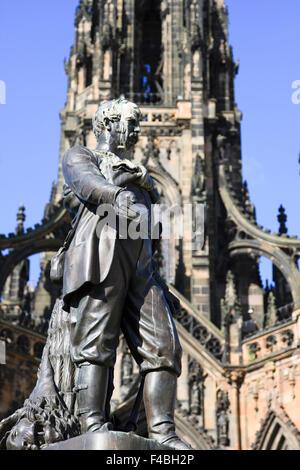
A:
111, 110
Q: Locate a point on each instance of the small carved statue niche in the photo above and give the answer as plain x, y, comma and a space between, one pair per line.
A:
223, 405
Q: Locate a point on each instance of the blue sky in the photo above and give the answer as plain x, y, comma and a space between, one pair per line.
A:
265, 38
35, 37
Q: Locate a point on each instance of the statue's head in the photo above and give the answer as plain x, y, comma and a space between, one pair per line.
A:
39, 423
23, 436
121, 119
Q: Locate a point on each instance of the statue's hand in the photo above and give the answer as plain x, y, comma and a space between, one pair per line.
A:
123, 178
125, 205
70, 200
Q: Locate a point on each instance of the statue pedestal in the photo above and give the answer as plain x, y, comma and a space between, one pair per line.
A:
108, 440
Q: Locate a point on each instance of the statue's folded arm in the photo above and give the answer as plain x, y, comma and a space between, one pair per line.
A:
84, 178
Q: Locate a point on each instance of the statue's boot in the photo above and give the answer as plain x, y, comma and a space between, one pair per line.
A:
159, 399
92, 386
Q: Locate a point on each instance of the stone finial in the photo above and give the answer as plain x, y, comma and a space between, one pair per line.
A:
282, 218
53, 192
20, 220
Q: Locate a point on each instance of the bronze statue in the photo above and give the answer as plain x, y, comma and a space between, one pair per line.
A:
110, 285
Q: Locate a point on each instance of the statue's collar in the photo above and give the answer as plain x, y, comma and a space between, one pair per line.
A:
106, 157
104, 154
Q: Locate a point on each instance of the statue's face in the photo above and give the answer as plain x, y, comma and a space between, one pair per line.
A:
125, 132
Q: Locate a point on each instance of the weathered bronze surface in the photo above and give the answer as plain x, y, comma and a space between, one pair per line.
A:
109, 286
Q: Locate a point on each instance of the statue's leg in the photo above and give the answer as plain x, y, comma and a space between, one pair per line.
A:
95, 325
92, 386
95, 319
152, 337
110, 390
159, 400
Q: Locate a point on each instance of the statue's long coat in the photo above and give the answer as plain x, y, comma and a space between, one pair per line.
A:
90, 254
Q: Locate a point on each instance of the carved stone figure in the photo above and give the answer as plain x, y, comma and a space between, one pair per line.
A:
110, 285
222, 427
223, 405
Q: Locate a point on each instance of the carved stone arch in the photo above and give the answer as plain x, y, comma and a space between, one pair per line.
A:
282, 261
169, 248
23, 344
171, 190
185, 429
186, 432
39, 232
277, 432
17, 255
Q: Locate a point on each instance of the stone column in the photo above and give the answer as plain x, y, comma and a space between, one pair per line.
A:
236, 378
2, 352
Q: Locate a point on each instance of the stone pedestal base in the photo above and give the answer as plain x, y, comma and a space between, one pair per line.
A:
108, 440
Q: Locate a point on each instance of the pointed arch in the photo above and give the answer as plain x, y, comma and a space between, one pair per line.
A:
278, 257
186, 432
16, 256
173, 210
277, 432
167, 183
